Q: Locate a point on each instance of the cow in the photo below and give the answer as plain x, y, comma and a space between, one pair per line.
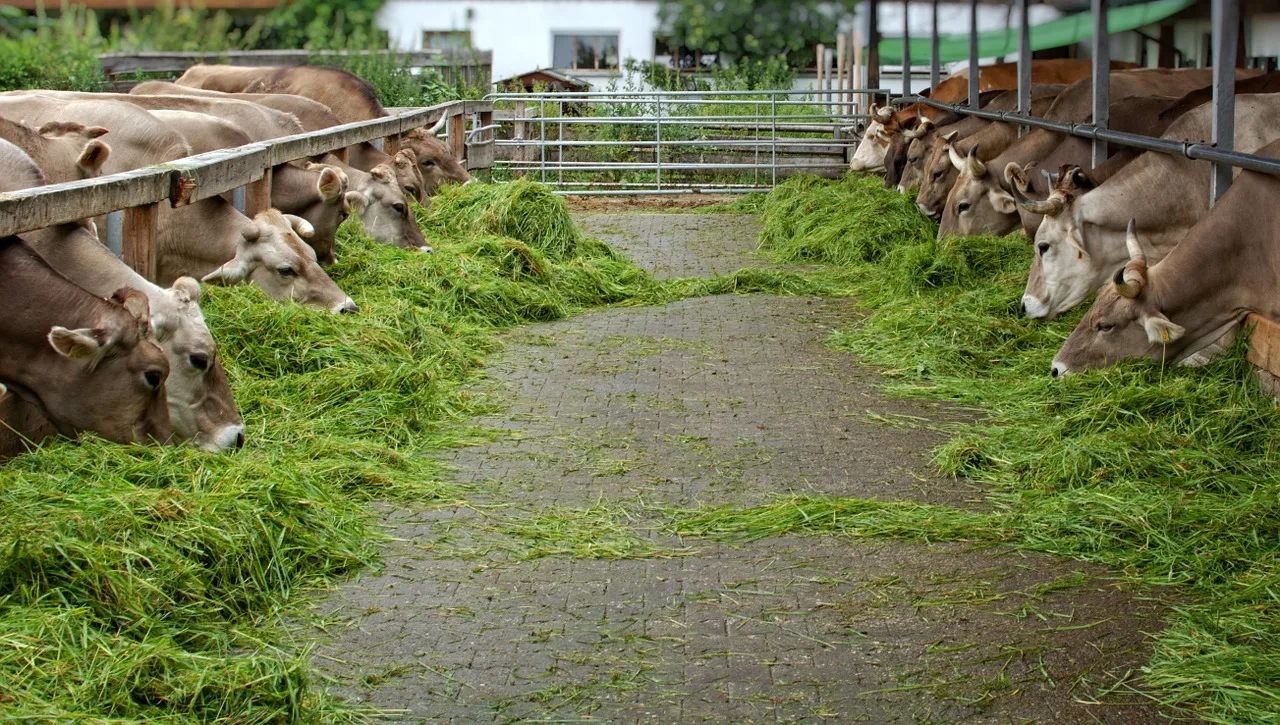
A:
982, 203
1081, 240
990, 139
86, 363
313, 115
382, 208
1179, 308
885, 122
201, 407
72, 151
349, 96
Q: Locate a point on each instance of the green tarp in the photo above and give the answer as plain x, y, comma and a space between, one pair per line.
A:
1053, 34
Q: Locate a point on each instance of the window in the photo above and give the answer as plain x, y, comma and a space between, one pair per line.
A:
446, 39
595, 51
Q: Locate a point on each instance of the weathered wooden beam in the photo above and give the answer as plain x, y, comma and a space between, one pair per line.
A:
217, 172
458, 136
139, 244
178, 61
1264, 351
45, 206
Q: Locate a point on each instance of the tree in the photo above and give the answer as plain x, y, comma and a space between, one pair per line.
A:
751, 29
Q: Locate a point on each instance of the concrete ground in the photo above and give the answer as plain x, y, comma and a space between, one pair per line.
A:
560, 594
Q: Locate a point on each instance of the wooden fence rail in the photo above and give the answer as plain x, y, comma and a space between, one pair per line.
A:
471, 67
139, 192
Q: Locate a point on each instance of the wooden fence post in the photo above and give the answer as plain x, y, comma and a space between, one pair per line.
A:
458, 136
138, 246
257, 197
391, 145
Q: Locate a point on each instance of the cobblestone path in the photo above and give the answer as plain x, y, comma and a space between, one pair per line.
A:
558, 595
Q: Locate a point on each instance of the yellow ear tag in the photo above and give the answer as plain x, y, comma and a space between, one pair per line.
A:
1164, 335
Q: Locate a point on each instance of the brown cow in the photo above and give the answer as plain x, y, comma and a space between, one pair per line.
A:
1177, 309
87, 363
349, 96
71, 151
1001, 76
981, 203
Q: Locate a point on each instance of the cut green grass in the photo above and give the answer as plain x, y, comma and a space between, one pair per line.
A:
1166, 473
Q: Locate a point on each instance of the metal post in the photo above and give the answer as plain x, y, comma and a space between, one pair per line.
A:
658, 143
115, 232
542, 137
1101, 77
973, 54
935, 70
873, 46
560, 148
773, 132
1226, 26
1024, 63
906, 48
237, 199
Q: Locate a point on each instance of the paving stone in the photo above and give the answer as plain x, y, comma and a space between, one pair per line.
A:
718, 401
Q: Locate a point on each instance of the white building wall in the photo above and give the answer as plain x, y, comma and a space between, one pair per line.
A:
520, 33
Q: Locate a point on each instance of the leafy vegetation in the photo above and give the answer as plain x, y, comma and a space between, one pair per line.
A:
752, 30
1167, 473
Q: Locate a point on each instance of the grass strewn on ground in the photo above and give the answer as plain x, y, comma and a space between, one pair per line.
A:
146, 583
1168, 473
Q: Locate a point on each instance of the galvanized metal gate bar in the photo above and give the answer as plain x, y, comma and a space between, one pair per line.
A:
973, 54
1101, 77
1226, 25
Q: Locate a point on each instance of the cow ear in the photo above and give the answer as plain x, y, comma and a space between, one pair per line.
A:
75, 344
96, 131
301, 226
405, 160
331, 185
356, 202
1160, 331
186, 287
1003, 201
134, 302
382, 173
93, 156
231, 273
252, 233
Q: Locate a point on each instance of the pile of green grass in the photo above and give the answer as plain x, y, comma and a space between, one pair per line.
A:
148, 583
1167, 473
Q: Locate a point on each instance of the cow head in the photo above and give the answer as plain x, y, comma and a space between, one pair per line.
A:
869, 155
317, 193
1125, 322
272, 255
72, 151
937, 177
977, 204
385, 211
201, 407
434, 161
917, 152
116, 382
1064, 271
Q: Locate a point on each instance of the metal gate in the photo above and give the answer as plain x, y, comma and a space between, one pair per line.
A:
675, 142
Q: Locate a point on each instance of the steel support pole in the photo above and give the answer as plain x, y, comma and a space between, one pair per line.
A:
906, 48
873, 46
1024, 59
1101, 76
1226, 26
935, 70
974, 88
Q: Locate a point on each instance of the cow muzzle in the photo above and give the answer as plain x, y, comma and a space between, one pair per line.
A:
1058, 370
349, 307
1034, 307
227, 438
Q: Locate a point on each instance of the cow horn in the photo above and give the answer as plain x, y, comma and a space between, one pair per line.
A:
1050, 177
1017, 179
977, 169
1130, 280
884, 113
956, 159
435, 130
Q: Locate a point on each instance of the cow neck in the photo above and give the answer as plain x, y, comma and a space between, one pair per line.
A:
76, 254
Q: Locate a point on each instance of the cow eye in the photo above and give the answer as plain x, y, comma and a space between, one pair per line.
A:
962, 207
428, 163
1043, 247
398, 207
199, 361
153, 378
287, 271
937, 175
1104, 327
412, 190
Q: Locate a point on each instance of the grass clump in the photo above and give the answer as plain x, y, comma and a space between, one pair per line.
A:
1166, 473
146, 583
